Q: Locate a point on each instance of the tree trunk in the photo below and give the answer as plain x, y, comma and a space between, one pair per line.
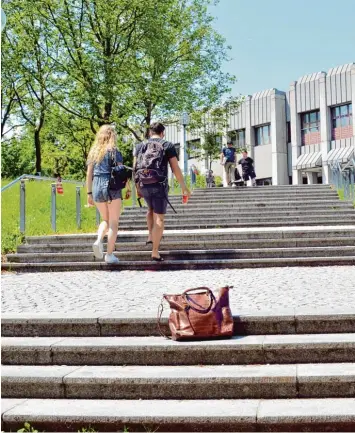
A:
38, 151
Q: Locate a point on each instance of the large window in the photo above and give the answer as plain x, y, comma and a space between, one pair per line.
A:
193, 148
262, 135
342, 121
310, 127
238, 138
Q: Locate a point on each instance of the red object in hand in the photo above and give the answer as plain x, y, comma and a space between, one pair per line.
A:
60, 188
185, 199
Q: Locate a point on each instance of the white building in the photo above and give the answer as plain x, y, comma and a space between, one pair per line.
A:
292, 136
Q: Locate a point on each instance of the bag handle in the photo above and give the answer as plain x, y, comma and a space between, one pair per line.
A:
160, 312
189, 301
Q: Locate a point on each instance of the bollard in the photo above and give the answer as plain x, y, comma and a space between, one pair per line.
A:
134, 192
78, 208
97, 217
54, 206
22, 206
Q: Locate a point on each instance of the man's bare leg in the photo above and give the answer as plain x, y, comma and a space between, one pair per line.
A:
157, 234
150, 223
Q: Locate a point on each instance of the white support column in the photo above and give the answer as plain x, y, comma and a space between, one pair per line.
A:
278, 139
182, 155
353, 96
312, 178
249, 130
295, 134
325, 126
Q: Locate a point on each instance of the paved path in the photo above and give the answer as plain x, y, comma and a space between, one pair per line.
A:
254, 289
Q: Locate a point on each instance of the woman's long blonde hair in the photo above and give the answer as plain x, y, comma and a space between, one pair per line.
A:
106, 139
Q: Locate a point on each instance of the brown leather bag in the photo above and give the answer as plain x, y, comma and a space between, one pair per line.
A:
198, 314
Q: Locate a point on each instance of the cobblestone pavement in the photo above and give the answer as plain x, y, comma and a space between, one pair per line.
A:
254, 289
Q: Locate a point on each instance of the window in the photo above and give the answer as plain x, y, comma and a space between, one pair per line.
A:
342, 121
310, 127
238, 138
262, 135
288, 127
193, 147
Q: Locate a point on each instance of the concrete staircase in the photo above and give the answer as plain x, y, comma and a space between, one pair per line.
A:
291, 371
218, 228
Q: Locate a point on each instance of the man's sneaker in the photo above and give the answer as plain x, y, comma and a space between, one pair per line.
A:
111, 259
98, 249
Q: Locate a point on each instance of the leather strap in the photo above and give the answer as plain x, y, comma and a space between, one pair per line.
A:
160, 312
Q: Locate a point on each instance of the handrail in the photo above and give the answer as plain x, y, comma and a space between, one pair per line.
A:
30, 176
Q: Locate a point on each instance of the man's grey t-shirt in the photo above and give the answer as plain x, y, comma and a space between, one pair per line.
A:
169, 152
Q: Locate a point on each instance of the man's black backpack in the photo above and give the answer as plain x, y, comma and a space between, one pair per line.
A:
149, 164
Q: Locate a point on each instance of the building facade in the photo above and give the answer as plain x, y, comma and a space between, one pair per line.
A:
293, 137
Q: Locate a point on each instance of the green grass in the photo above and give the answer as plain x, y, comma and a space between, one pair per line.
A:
38, 202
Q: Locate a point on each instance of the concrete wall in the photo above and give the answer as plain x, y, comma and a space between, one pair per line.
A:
263, 161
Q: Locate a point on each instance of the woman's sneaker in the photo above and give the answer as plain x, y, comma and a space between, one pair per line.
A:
98, 249
111, 259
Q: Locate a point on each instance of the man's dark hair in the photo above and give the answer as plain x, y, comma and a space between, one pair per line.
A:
157, 128
229, 142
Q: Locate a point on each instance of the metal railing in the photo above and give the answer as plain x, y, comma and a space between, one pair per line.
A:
343, 178
53, 191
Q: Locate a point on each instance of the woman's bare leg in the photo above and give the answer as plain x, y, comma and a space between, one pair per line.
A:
114, 212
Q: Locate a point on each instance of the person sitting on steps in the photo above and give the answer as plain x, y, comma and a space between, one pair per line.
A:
151, 161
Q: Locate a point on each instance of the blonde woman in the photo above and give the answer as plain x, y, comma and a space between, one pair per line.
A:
102, 156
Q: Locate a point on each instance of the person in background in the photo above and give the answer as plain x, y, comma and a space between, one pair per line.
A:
228, 158
108, 202
247, 164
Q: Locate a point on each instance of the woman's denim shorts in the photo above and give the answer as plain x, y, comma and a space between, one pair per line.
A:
100, 190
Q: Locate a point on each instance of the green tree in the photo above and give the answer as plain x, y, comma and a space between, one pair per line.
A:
28, 42
178, 64
212, 123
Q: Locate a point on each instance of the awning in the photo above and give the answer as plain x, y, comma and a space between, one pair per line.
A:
308, 160
341, 155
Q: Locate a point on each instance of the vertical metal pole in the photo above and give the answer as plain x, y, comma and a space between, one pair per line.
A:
54, 207
78, 207
134, 195
22, 206
97, 217
172, 186
185, 154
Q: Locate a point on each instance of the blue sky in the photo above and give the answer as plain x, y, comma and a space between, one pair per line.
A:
275, 42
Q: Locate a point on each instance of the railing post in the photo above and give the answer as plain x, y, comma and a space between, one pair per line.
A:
78, 208
134, 195
22, 206
97, 217
54, 206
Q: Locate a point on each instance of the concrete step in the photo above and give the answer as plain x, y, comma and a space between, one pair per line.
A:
333, 414
290, 321
191, 255
179, 264
251, 349
216, 216
250, 207
247, 222
194, 244
276, 198
170, 382
278, 232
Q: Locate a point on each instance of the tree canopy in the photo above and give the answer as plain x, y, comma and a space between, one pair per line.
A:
70, 66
